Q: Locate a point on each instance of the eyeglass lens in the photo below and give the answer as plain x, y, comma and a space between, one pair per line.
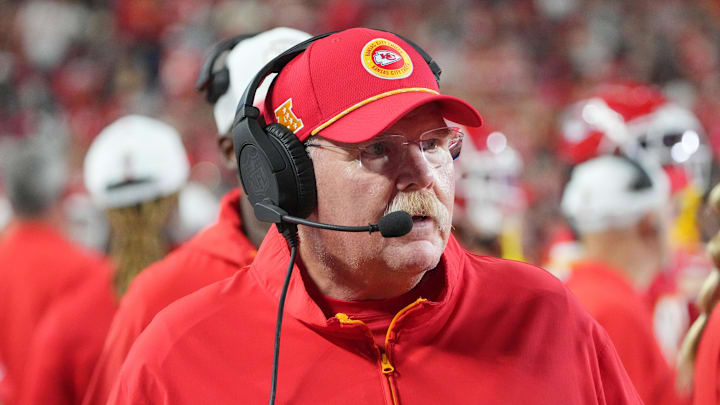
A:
438, 146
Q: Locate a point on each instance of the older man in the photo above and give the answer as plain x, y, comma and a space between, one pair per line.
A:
414, 319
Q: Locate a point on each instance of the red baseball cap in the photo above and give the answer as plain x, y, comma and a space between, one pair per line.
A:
352, 85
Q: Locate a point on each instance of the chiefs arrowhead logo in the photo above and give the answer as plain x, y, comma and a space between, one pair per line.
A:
386, 60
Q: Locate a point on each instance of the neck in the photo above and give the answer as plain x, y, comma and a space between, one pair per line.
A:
625, 253
254, 229
355, 282
53, 217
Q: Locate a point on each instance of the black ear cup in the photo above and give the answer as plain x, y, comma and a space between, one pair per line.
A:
218, 85
274, 167
306, 193
214, 80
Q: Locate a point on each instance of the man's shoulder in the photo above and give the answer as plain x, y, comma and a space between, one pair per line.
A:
220, 304
521, 277
506, 289
185, 270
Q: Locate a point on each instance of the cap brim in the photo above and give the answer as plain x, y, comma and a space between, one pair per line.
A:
375, 117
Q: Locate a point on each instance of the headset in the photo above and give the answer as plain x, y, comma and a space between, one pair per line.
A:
274, 168
216, 81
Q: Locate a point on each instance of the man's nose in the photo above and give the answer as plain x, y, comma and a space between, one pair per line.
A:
415, 172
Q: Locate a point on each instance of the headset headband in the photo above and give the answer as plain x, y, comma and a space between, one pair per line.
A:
205, 80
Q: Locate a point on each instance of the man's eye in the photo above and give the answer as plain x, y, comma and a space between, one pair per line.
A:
429, 145
377, 149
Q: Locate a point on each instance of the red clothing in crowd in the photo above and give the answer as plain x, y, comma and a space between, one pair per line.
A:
490, 331
214, 254
38, 267
707, 364
627, 318
67, 344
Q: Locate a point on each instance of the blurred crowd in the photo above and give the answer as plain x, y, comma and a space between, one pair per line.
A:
68, 69
72, 67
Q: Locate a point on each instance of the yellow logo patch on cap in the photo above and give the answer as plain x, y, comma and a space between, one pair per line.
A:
287, 117
385, 59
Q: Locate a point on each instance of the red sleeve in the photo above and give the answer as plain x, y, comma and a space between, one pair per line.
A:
137, 386
152, 290
613, 385
131, 319
641, 356
66, 345
137, 383
707, 366
46, 363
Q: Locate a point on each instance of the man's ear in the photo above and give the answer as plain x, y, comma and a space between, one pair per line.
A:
228, 152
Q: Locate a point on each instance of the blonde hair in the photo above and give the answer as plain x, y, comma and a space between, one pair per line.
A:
707, 299
137, 239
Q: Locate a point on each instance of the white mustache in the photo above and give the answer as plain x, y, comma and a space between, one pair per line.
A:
421, 203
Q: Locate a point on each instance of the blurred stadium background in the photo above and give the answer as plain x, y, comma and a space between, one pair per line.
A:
69, 68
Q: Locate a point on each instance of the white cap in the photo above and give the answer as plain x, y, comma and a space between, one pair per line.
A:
135, 159
243, 63
600, 195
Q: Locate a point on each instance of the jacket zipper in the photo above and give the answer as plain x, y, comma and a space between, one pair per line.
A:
387, 370
386, 366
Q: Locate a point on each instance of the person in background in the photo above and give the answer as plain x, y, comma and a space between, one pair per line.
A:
699, 356
39, 266
412, 319
138, 192
638, 120
618, 208
489, 199
673, 136
222, 248
66, 345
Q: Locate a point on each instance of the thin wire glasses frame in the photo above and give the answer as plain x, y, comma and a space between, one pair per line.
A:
385, 153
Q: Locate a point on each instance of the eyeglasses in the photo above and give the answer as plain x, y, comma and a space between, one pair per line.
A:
384, 153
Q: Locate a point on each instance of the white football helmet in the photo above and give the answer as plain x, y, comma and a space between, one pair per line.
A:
673, 135
487, 188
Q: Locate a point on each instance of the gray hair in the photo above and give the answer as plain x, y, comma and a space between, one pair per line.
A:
34, 173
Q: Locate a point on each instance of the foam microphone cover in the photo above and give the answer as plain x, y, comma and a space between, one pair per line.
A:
395, 224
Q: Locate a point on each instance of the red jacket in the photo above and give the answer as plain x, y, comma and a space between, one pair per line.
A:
707, 366
67, 344
499, 332
627, 317
214, 254
38, 267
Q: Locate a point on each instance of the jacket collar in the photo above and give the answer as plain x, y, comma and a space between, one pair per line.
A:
225, 238
270, 266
